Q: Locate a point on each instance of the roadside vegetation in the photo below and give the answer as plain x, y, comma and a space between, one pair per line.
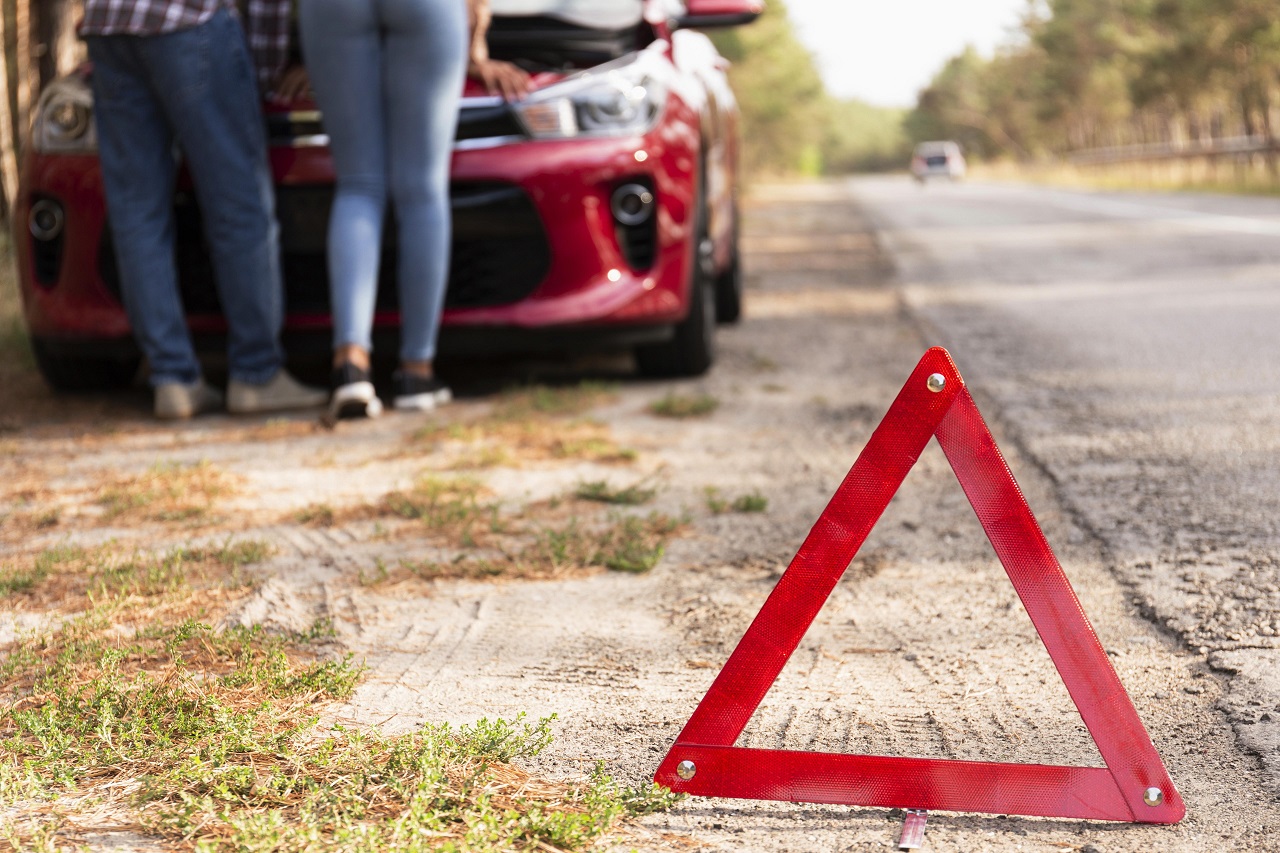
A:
139, 709
527, 425
1090, 74
791, 124
473, 535
1075, 75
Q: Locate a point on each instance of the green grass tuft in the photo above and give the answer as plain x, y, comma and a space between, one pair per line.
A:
602, 492
680, 406
752, 502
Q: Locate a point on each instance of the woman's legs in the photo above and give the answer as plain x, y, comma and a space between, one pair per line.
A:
342, 44
425, 45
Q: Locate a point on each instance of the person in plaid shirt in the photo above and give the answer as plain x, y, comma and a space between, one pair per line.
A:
185, 74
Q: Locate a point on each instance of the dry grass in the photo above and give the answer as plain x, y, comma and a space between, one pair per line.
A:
166, 493
530, 424
542, 550
70, 579
481, 538
277, 429
1198, 175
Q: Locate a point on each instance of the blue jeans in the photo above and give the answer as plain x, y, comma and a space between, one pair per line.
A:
195, 89
388, 76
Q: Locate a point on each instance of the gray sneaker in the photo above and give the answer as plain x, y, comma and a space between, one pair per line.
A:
282, 392
176, 401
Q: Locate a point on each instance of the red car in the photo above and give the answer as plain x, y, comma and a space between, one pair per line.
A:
599, 210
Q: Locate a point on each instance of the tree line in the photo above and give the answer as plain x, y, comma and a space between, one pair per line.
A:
1083, 74
791, 124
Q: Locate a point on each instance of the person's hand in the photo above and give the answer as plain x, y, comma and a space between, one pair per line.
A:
294, 85
501, 78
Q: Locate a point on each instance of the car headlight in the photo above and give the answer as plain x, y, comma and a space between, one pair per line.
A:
616, 99
64, 118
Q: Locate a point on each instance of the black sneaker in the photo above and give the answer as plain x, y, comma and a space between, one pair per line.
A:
353, 394
419, 393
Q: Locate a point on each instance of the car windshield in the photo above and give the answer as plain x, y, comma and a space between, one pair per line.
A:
595, 14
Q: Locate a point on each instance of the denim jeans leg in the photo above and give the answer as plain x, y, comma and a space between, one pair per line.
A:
342, 42
426, 59
205, 78
136, 157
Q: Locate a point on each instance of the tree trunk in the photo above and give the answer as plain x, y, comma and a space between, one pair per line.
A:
56, 49
8, 130
21, 82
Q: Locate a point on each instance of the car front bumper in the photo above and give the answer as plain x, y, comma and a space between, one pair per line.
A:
536, 246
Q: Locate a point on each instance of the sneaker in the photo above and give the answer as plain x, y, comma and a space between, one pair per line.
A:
420, 393
281, 393
353, 394
176, 401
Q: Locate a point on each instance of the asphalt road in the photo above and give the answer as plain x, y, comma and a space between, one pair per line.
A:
1130, 345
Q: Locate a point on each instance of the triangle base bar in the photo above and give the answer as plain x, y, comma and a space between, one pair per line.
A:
909, 783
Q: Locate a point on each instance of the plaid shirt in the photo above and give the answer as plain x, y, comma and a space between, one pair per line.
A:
267, 29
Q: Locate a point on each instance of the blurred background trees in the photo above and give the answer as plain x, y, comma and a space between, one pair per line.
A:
39, 45
1101, 73
791, 125
1077, 74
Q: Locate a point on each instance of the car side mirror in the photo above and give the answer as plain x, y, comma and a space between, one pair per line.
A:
707, 14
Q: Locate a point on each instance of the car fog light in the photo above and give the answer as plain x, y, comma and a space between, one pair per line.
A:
46, 220
632, 204
70, 119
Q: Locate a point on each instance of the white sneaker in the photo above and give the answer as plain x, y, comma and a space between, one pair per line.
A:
175, 401
420, 394
281, 393
353, 394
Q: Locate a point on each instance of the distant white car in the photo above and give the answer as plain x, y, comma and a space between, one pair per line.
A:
937, 160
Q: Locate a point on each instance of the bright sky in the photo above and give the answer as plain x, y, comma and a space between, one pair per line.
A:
886, 51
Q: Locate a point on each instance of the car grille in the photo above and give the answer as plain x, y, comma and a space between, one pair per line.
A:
482, 119
499, 254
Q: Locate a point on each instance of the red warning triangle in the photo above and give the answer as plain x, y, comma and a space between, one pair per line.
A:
1134, 786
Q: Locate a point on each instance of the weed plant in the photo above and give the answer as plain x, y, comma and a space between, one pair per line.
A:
603, 492
751, 502
682, 406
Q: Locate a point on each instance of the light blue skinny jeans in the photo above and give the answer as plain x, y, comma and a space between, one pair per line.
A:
388, 76
196, 88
